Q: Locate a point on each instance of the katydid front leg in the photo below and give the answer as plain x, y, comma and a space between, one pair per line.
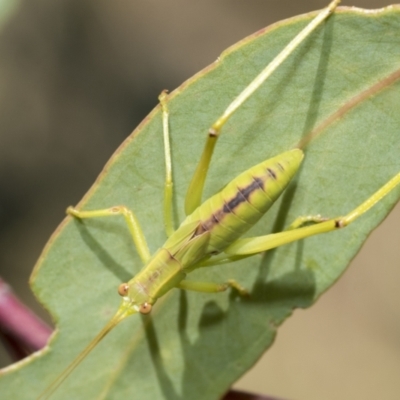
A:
168, 190
131, 220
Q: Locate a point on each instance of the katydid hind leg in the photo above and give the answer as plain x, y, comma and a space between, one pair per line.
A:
263, 243
196, 186
306, 219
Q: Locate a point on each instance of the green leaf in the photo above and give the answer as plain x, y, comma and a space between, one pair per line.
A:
195, 345
7, 9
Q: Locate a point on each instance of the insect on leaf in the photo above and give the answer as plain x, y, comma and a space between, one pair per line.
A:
196, 345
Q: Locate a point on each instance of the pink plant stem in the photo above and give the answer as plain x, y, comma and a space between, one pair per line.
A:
17, 321
236, 395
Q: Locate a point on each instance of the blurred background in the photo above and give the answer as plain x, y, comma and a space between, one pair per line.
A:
77, 76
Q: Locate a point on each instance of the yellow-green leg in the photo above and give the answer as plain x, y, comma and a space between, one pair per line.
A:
211, 287
246, 247
131, 220
303, 220
168, 221
195, 190
224, 258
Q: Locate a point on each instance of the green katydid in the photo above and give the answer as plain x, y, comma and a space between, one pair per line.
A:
211, 233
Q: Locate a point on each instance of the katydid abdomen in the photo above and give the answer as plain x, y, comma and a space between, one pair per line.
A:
227, 215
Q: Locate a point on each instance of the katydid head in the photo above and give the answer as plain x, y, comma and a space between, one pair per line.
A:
134, 299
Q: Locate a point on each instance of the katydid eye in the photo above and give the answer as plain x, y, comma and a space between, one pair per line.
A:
145, 308
123, 289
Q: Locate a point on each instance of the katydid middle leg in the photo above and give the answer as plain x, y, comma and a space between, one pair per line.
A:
212, 287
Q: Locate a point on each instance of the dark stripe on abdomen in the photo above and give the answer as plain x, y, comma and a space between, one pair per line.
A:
243, 195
